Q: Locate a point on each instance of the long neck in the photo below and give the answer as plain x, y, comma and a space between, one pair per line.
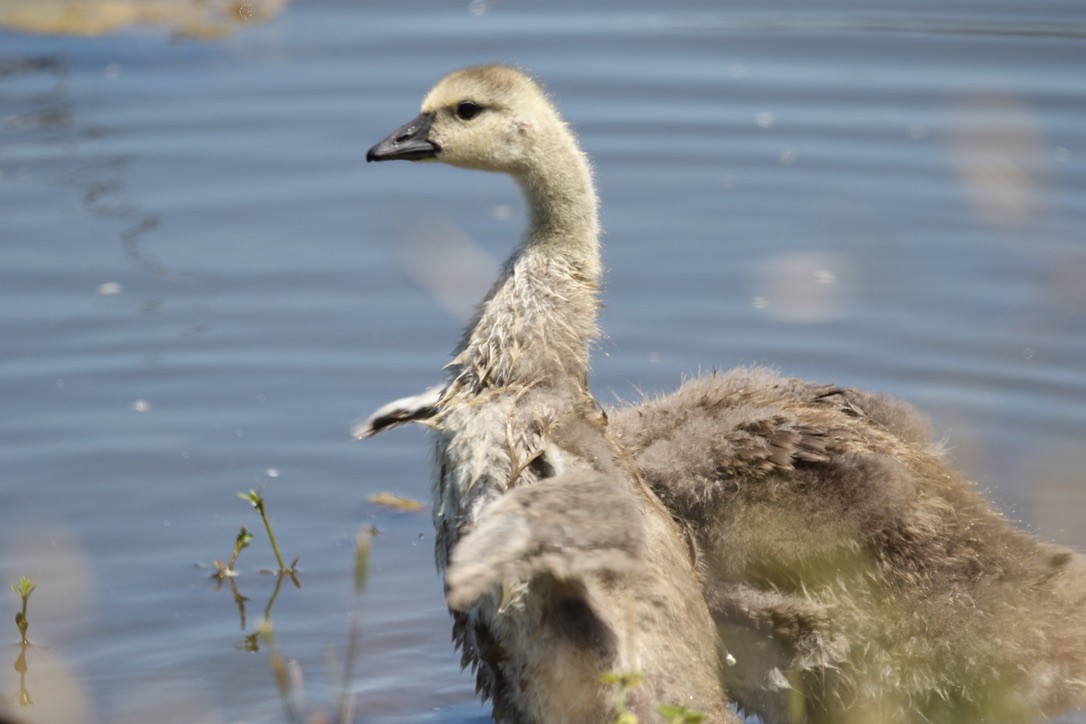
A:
562, 205
537, 322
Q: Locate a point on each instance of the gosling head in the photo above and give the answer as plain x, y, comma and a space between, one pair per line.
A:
488, 117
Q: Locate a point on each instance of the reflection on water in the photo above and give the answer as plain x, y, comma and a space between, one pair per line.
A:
812, 287
451, 267
998, 152
46, 107
201, 285
49, 685
192, 18
44, 118
24, 589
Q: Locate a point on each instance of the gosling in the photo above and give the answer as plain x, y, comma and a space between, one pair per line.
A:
564, 572
851, 572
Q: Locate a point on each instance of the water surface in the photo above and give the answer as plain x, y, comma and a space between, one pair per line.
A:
202, 286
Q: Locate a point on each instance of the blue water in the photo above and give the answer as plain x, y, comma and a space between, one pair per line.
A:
202, 286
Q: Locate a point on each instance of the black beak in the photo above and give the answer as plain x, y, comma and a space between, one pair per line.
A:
410, 142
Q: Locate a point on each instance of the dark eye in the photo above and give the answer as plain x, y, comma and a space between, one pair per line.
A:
466, 110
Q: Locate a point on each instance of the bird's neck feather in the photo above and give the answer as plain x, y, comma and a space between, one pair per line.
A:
537, 322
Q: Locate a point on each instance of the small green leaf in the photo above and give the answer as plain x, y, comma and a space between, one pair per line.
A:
625, 679
242, 541
680, 715
253, 497
23, 588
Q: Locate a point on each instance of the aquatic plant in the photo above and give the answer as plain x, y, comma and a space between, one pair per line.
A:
680, 715
625, 682
289, 681
251, 643
24, 588
363, 543
240, 544
288, 678
256, 499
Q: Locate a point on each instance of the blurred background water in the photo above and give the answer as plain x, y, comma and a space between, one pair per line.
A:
202, 286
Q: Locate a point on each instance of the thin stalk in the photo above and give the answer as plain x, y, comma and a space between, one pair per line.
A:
271, 536
256, 500
361, 569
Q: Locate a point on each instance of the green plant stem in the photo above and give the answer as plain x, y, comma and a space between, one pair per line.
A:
271, 536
